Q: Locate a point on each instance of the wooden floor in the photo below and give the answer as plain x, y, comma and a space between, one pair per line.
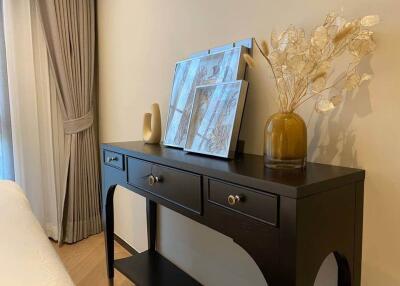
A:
86, 261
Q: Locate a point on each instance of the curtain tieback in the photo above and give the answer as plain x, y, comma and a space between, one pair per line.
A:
79, 124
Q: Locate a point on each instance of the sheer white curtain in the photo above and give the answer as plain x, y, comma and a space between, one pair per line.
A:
6, 159
35, 117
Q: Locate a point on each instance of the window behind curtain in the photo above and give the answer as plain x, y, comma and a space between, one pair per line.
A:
6, 158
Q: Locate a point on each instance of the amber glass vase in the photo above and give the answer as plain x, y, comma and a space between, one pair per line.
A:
285, 141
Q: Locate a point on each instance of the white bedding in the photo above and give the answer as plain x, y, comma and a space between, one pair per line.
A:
26, 254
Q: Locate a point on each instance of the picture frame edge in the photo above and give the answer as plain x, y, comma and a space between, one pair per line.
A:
244, 87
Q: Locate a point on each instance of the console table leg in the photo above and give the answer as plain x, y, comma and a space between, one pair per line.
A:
358, 233
151, 208
344, 276
109, 231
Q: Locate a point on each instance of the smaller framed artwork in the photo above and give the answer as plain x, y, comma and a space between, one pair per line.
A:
215, 119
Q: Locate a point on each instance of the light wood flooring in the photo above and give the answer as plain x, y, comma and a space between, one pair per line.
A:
86, 261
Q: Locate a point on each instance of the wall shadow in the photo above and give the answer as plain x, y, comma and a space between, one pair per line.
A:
337, 126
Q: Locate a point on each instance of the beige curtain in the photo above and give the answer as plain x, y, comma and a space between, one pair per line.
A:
69, 28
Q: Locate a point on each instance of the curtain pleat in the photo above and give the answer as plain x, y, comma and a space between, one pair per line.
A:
69, 28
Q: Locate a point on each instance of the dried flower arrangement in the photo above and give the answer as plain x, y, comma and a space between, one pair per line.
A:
302, 67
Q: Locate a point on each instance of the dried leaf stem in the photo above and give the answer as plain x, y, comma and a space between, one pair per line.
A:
302, 67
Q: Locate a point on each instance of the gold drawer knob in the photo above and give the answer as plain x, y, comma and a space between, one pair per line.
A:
234, 199
110, 159
153, 179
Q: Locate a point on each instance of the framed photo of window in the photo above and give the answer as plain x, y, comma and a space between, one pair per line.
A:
218, 67
215, 119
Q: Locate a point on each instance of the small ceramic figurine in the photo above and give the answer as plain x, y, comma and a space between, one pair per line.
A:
152, 125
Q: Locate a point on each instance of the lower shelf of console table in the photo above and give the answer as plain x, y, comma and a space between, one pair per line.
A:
151, 268
288, 221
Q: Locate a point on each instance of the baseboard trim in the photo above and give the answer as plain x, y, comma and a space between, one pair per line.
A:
125, 245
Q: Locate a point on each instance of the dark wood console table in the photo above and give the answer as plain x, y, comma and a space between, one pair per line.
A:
287, 220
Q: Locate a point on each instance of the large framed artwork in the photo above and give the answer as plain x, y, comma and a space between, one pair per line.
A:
224, 66
215, 119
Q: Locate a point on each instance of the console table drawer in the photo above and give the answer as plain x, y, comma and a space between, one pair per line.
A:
114, 159
179, 187
249, 202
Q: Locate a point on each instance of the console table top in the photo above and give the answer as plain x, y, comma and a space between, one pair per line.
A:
246, 169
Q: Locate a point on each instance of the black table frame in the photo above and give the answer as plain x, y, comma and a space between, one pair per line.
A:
320, 212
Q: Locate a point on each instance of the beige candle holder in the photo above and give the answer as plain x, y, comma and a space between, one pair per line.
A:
152, 125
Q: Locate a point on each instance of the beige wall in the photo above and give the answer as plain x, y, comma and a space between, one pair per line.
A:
139, 43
